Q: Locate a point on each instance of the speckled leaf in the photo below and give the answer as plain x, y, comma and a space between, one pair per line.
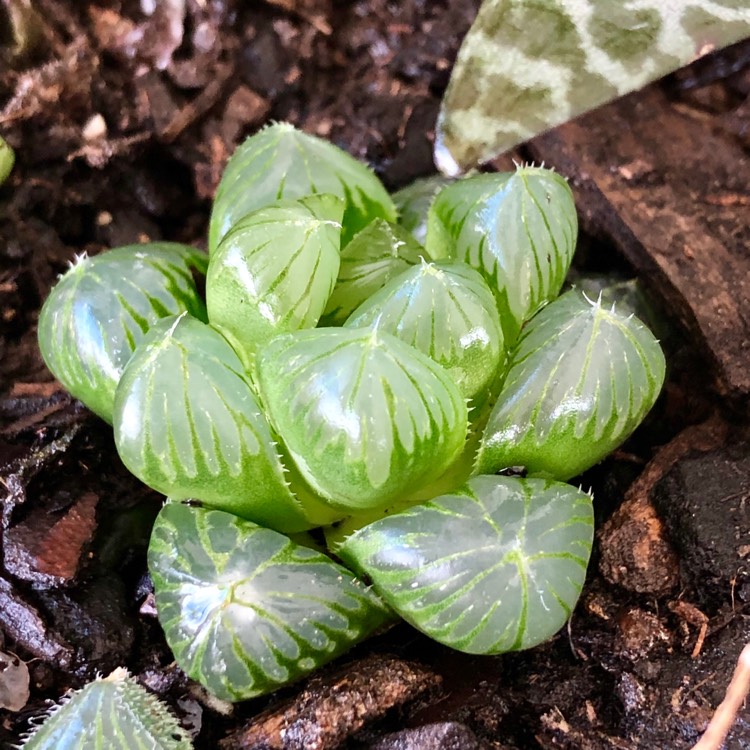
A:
582, 378
113, 713
519, 230
378, 253
413, 203
103, 306
274, 271
526, 66
496, 566
446, 311
7, 159
244, 609
282, 162
188, 424
365, 417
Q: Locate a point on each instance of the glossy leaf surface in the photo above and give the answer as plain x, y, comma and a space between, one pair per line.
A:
446, 311
582, 378
282, 162
519, 230
188, 424
365, 417
413, 204
244, 609
274, 271
496, 566
7, 159
102, 308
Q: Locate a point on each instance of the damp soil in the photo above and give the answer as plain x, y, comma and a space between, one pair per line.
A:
122, 123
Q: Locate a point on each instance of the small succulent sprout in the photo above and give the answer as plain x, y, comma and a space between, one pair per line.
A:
188, 424
376, 254
102, 308
519, 233
446, 311
282, 162
582, 377
365, 417
274, 271
496, 566
413, 204
244, 609
110, 713
7, 159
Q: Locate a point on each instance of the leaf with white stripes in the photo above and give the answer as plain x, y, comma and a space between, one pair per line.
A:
244, 609
581, 379
413, 203
365, 417
495, 566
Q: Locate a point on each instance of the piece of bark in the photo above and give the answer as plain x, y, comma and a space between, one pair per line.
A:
447, 735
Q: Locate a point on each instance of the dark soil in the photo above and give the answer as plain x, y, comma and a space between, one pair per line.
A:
122, 124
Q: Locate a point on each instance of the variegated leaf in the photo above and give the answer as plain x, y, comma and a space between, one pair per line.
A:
365, 417
7, 159
526, 66
282, 162
582, 378
244, 609
413, 204
495, 566
102, 308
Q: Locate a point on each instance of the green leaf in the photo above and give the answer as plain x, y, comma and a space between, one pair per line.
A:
7, 159
281, 162
102, 308
274, 271
413, 204
496, 566
376, 254
518, 230
364, 417
446, 311
244, 609
188, 424
113, 713
582, 378
526, 66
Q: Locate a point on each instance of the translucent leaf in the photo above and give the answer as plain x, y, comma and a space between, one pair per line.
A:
526, 66
365, 417
244, 609
7, 159
188, 424
281, 162
582, 378
496, 566
413, 204
518, 230
103, 306
446, 311
274, 271
376, 254
113, 713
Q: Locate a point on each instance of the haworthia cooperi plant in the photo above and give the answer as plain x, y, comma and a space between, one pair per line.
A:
7, 159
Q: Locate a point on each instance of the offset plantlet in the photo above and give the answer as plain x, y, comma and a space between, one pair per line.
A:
7, 159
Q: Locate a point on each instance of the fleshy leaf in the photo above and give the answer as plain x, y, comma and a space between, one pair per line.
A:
526, 66
282, 162
102, 308
365, 417
7, 159
376, 254
446, 311
113, 713
188, 424
496, 566
582, 378
274, 271
413, 203
519, 230
244, 609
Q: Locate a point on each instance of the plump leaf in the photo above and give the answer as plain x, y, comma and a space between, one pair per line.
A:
103, 306
188, 424
526, 66
274, 271
496, 566
582, 378
519, 230
244, 609
446, 311
7, 159
281, 162
376, 254
413, 204
113, 713
364, 416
